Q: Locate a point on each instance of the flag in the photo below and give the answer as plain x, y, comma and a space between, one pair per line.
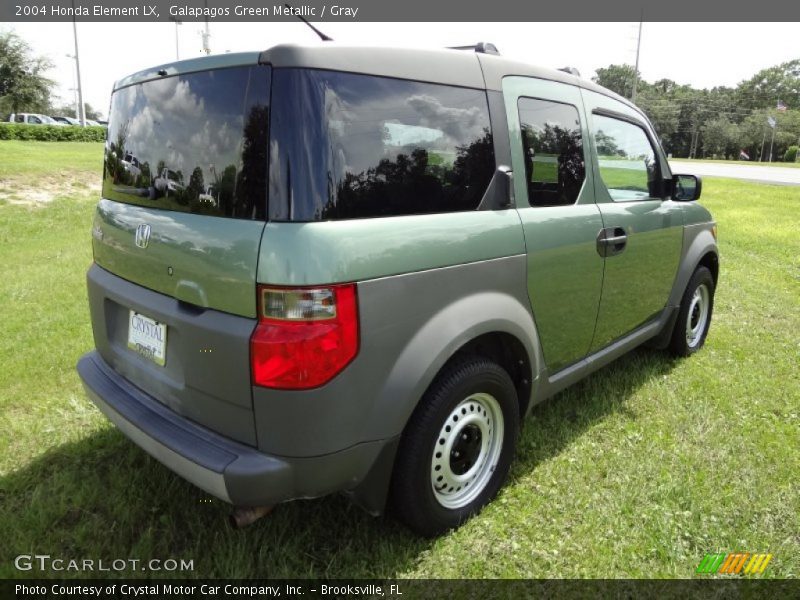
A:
781, 106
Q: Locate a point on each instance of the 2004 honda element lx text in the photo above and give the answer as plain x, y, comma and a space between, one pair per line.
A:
357, 269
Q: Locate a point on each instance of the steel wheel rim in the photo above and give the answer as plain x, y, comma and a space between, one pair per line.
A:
458, 477
697, 317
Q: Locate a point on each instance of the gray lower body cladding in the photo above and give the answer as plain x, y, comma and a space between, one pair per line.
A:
226, 469
206, 377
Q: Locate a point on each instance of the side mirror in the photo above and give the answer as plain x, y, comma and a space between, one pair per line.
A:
500, 193
686, 188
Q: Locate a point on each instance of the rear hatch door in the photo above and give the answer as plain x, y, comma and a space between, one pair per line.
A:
181, 218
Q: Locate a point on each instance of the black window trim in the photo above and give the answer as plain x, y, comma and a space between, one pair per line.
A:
613, 114
584, 148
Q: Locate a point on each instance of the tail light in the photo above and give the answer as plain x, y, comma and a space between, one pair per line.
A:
304, 336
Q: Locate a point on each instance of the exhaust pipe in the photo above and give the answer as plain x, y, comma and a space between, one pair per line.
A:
242, 516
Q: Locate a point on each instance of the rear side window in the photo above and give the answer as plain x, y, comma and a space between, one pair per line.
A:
628, 165
192, 143
553, 148
347, 146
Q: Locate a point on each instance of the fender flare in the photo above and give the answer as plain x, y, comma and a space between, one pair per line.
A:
702, 243
441, 337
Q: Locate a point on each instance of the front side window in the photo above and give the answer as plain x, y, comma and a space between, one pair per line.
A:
628, 165
553, 148
348, 146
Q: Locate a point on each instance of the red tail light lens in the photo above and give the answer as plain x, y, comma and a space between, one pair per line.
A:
304, 336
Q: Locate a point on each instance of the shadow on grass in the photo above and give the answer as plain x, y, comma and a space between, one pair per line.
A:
104, 498
555, 423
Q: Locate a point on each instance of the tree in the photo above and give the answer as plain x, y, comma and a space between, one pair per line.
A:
693, 122
23, 86
720, 136
768, 86
619, 79
68, 110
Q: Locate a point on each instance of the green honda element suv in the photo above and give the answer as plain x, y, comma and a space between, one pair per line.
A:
356, 270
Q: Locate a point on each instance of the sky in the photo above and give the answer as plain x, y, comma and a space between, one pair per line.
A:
700, 54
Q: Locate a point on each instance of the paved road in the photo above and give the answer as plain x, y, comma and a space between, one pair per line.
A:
750, 172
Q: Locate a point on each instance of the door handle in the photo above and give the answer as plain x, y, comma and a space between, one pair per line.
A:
611, 241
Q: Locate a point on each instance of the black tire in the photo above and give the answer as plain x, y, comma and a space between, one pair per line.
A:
465, 385
682, 342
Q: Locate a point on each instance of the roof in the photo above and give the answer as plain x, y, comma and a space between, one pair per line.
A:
451, 67
203, 63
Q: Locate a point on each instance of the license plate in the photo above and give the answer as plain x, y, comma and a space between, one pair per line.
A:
148, 337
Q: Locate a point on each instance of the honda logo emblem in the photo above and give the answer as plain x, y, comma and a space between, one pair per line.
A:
142, 235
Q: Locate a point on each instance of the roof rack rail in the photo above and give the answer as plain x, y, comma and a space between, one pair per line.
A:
571, 71
481, 47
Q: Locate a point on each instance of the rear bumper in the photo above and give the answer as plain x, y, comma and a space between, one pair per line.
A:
224, 468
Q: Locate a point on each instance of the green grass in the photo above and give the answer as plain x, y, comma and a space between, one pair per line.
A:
22, 158
794, 165
638, 471
39, 171
633, 177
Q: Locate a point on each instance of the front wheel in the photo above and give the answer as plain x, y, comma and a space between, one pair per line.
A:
457, 448
694, 315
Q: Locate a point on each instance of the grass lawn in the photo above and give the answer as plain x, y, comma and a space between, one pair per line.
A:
794, 165
47, 170
637, 471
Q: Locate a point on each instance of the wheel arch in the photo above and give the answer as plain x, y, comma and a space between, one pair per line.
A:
507, 351
700, 250
710, 260
496, 325
481, 322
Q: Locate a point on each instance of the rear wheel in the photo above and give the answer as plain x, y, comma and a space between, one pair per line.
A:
457, 448
694, 315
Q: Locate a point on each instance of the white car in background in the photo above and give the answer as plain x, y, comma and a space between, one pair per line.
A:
32, 119
66, 120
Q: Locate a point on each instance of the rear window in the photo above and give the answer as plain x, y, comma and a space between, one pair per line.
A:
192, 143
348, 146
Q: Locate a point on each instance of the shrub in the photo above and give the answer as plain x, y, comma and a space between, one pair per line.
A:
51, 133
791, 154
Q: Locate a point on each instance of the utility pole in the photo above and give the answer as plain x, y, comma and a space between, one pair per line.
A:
74, 90
206, 35
772, 122
636, 68
772, 141
82, 113
177, 48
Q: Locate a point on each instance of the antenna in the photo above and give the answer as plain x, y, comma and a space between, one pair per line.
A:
480, 47
636, 68
297, 14
571, 71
